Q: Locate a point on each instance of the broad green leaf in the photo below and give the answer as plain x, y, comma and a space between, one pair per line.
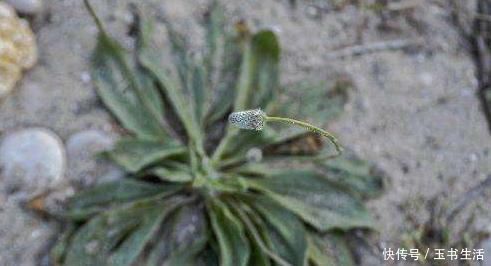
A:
191, 74
150, 58
260, 250
181, 59
183, 237
122, 92
316, 200
318, 255
91, 244
152, 95
223, 93
230, 234
58, 251
275, 241
329, 250
253, 169
118, 236
256, 85
225, 51
259, 72
135, 154
198, 91
215, 32
133, 245
93, 200
266, 51
258, 257
285, 230
172, 175
354, 175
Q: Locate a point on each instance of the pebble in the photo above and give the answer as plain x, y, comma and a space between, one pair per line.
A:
29, 7
276, 29
254, 155
313, 11
85, 77
426, 79
32, 161
84, 168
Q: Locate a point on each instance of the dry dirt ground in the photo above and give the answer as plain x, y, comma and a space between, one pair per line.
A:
414, 110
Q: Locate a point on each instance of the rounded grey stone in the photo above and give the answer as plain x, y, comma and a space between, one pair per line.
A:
31, 161
254, 155
84, 166
30, 7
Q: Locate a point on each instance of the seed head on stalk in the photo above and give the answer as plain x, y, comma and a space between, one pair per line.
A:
256, 120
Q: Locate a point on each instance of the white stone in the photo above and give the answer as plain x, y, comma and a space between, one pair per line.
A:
31, 161
254, 155
85, 77
88, 142
84, 167
426, 79
312, 11
30, 7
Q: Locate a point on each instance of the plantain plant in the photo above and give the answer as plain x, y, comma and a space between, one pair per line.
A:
200, 191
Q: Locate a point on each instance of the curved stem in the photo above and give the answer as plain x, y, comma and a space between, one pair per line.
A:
94, 16
309, 127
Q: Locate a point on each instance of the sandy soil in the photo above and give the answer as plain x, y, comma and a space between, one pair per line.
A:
413, 111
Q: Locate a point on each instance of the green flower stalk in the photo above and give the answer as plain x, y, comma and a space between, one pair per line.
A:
256, 120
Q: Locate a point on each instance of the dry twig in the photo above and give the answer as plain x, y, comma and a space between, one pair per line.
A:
374, 47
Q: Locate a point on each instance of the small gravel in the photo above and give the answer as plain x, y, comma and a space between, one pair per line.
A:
29, 7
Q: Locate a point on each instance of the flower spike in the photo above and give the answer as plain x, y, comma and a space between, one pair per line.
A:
256, 119
250, 119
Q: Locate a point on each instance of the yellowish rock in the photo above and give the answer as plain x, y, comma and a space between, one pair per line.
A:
9, 75
18, 50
